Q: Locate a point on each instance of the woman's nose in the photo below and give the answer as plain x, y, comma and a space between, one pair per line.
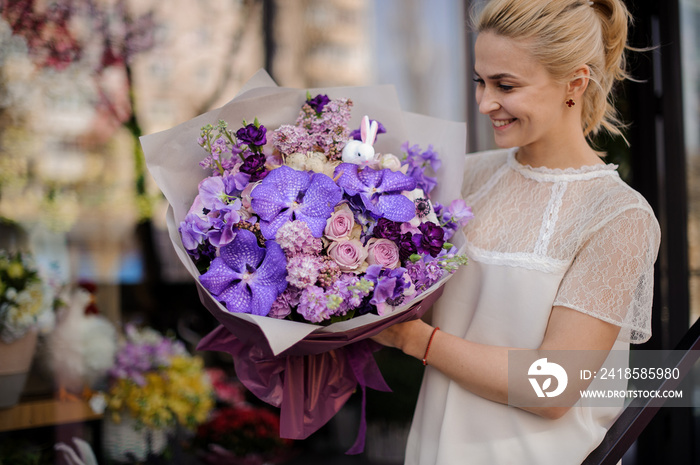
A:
487, 101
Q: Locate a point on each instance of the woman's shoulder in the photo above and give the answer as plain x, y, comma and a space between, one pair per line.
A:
618, 204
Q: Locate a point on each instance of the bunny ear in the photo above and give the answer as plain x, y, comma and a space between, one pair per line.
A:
365, 128
372, 136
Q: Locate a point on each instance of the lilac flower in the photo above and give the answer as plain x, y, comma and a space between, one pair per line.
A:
424, 273
303, 270
318, 102
313, 304
295, 237
286, 194
282, 306
328, 129
253, 135
390, 286
290, 139
356, 134
380, 191
430, 240
247, 278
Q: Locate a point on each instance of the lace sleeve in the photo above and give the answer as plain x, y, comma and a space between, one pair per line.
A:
612, 275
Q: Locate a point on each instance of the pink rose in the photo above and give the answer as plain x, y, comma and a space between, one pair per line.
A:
349, 255
339, 225
383, 252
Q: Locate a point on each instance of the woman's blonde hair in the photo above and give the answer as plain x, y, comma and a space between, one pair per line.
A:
565, 34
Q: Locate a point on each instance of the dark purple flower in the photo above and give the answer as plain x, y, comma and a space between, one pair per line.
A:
387, 229
406, 246
430, 240
254, 165
357, 133
286, 194
318, 102
380, 191
252, 135
245, 277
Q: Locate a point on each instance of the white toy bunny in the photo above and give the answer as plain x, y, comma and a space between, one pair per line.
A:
362, 152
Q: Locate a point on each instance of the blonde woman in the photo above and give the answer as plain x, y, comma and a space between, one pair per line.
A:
561, 249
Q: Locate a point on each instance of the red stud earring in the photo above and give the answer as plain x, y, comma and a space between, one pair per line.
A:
570, 103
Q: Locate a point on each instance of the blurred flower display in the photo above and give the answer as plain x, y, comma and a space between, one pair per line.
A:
26, 300
158, 383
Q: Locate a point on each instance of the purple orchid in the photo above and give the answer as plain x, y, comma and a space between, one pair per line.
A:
245, 277
286, 194
380, 190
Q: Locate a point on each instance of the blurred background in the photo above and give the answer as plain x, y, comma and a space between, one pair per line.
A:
81, 80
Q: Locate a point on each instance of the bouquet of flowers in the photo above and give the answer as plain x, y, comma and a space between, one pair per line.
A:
276, 236
25, 298
307, 239
157, 382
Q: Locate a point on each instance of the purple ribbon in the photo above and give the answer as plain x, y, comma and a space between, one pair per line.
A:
313, 379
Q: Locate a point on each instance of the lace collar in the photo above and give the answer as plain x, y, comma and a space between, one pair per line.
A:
544, 174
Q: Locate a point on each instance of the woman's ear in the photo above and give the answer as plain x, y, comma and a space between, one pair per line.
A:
579, 82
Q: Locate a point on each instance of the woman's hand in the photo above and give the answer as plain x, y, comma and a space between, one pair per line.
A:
411, 337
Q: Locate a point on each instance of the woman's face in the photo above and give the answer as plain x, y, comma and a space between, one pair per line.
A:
517, 93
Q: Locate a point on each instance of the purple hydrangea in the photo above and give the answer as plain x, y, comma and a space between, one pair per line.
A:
286, 194
245, 277
380, 191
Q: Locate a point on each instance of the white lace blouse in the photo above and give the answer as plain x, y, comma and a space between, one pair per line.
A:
579, 238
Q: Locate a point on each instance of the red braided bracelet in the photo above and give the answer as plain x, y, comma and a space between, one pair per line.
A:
430, 341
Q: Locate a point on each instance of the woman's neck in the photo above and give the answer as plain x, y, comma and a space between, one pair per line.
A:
562, 153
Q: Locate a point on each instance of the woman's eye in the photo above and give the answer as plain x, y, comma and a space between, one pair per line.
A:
505, 88
479, 81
